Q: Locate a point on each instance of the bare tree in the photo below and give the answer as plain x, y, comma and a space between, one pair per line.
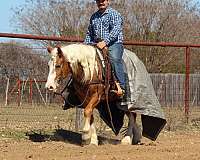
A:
15, 56
145, 20
53, 17
161, 20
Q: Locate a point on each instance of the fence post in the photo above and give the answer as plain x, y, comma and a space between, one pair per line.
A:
187, 82
7, 88
30, 91
19, 92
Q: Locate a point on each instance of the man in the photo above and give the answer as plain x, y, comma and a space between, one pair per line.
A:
105, 30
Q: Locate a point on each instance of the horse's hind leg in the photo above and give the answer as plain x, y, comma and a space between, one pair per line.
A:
133, 134
136, 132
129, 134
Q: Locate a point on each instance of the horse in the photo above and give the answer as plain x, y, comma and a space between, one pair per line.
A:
80, 61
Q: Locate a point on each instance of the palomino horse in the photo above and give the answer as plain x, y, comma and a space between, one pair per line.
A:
80, 61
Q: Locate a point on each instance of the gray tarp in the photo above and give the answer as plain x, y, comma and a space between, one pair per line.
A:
140, 98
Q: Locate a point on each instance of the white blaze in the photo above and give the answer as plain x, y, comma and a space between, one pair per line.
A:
51, 83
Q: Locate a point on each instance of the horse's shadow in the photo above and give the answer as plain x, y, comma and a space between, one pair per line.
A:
67, 136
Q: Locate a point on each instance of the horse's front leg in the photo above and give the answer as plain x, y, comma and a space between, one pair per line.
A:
94, 139
89, 132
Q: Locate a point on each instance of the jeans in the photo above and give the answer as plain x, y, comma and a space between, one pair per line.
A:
115, 54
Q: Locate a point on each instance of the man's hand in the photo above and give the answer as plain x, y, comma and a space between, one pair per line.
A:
101, 45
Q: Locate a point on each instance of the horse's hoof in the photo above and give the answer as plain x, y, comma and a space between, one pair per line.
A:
94, 142
86, 142
137, 142
137, 139
126, 140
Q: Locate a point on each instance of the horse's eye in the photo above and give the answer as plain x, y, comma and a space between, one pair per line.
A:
57, 66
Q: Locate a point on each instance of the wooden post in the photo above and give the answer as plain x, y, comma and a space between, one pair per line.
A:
31, 91
46, 98
7, 88
22, 91
19, 91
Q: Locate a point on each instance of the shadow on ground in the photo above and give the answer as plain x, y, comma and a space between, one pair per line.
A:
67, 136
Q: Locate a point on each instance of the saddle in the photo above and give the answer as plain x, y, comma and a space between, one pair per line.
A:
110, 81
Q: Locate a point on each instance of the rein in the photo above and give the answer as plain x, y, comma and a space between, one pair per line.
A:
66, 100
67, 85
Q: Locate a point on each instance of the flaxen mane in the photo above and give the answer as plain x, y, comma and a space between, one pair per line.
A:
84, 55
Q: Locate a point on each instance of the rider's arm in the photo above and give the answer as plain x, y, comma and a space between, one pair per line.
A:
116, 27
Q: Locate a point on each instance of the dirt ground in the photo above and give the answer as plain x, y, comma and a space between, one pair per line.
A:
42, 133
169, 146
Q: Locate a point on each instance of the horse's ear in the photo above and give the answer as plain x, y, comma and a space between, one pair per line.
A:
60, 53
58, 45
49, 49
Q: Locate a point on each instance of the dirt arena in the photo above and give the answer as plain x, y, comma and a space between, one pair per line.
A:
169, 146
42, 133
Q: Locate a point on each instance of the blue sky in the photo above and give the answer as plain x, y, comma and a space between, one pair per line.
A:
6, 14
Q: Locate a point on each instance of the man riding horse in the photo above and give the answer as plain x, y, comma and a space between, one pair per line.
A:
81, 63
105, 30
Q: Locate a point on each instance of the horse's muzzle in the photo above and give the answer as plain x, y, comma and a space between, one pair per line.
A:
50, 88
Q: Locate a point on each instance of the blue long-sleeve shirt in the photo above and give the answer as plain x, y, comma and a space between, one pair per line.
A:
106, 27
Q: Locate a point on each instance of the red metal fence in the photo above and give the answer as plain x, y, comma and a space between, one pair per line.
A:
186, 46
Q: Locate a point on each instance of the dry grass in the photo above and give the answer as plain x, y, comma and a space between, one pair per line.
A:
17, 121
177, 119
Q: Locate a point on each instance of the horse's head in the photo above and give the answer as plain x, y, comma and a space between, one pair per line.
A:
59, 68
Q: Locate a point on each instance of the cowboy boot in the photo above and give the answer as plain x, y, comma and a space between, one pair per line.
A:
119, 91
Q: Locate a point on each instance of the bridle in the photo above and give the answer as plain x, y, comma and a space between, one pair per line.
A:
66, 101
